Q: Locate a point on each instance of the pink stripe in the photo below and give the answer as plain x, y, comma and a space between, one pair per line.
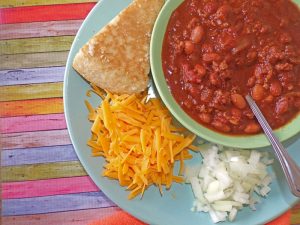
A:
32, 123
35, 139
28, 189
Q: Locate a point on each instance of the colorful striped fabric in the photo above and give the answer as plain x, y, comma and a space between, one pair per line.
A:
42, 180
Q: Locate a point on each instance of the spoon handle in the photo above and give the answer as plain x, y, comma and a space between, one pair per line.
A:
290, 168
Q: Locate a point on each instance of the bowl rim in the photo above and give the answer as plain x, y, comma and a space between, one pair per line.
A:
238, 141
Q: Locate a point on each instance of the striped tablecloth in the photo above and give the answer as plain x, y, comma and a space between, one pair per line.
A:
42, 180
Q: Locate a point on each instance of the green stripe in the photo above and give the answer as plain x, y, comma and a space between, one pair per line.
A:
42, 171
295, 218
33, 60
35, 45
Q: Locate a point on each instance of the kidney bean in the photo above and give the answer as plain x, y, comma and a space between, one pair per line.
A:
269, 99
179, 47
200, 70
209, 57
189, 47
248, 113
238, 101
197, 34
205, 117
275, 88
284, 67
258, 92
194, 21
243, 44
251, 56
214, 80
221, 126
282, 106
251, 81
290, 87
236, 116
252, 128
236, 112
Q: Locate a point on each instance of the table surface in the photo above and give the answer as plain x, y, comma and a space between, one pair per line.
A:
42, 180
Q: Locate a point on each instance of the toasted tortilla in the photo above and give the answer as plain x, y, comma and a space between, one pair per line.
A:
117, 57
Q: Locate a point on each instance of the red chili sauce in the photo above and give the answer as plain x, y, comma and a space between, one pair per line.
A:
216, 52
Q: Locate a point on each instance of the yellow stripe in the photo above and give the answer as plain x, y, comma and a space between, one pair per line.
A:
33, 60
42, 171
31, 91
35, 45
14, 3
295, 218
31, 107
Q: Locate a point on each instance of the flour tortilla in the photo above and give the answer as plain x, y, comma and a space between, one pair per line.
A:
117, 57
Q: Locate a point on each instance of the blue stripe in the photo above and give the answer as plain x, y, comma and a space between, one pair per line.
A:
32, 76
56, 203
38, 155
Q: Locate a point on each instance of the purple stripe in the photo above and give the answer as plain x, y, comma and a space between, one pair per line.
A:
38, 155
31, 76
55, 203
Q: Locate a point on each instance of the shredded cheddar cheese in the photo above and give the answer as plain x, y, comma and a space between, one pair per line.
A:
138, 141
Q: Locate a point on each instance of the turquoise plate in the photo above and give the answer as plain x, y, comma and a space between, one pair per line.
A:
173, 208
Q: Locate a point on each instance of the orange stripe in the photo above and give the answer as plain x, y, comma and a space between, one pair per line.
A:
285, 218
45, 13
31, 107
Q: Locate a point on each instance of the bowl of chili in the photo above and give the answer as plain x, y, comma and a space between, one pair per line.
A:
206, 56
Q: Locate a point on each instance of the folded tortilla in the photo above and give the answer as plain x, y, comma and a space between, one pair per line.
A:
117, 57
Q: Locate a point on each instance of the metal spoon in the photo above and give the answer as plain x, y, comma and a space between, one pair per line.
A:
290, 168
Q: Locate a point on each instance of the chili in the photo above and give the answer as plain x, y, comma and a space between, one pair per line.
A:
216, 52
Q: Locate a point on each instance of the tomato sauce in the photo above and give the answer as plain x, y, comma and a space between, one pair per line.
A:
216, 52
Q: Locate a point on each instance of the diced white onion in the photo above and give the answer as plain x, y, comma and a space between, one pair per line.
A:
232, 214
217, 217
227, 179
265, 190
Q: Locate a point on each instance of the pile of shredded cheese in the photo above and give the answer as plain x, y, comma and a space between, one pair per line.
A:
138, 141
